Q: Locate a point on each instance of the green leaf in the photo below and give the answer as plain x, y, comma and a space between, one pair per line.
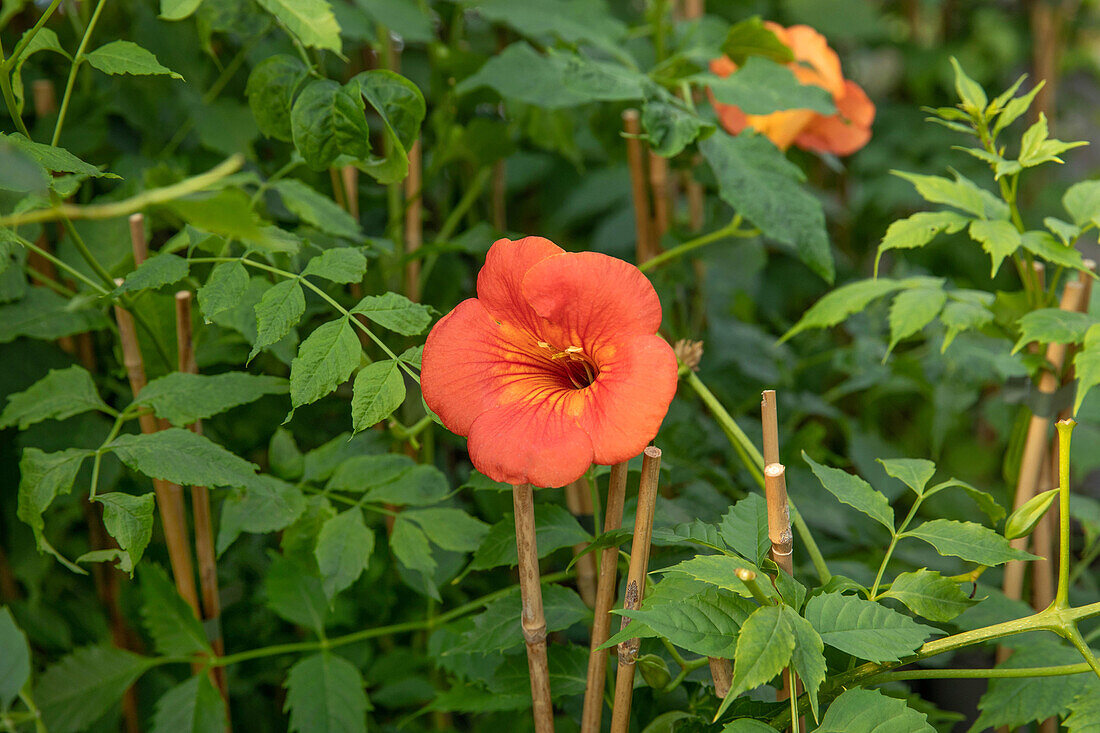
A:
43, 40
126, 57
327, 121
573, 21
671, 128
721, 571
229, 213
761, 87
390, 479
1045, 245
324, 694
747, 725
177, 9
1067, 233
43, 314
15, 659
1052, 326
182, 398
452, 529
322, 212
344, 547
913, 472
1084, 714
764, 648
183, 458
970, 92
129, 519
265, 505
929, 594
864, 629
78, 690
1014, 108
1036, 147
744, 528
157, 271
410, 546
401, 107
497, 629
749, 37
271, 88
43, 476
912, 310
808, 657
54, 159
842, 302
983, 499
379, 389
967, 540
854, 491
60, 394
870, 711
310, 21
1086, 365
1022, 521
294, 592
395, 313
286, 460
172, 624
920, 229
193, 706
325, 360
962, 194
410, 21
757, 180
340, 265
223, 290
278, 311
963, 315
555, 528
1082, 203
706, 623
998, 238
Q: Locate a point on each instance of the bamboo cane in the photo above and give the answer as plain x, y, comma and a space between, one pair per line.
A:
635, 585
414, 227
350, 176
578, 499
532, 619
659, 186
592, 714
200, 504
635, 157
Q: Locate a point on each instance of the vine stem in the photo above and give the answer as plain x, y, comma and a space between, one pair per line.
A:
78, 59
754, 462
9, 97
25, 41
1065, 432
897, 535
733, 229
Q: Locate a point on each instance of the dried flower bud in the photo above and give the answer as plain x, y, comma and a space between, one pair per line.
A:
689, 353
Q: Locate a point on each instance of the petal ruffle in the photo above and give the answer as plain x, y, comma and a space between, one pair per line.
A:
498, 283
819, 65
592, 298
532, 442
845, 132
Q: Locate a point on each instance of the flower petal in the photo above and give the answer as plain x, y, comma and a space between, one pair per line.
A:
498, 283
843, 133
624, 407
819, 65
593, 298
533, 442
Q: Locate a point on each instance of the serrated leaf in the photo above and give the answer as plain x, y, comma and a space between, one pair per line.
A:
43, 476
410, 546
53, 158
15, 659
721, 571
321, 212
229, 213
272, 86
172, 624
450, 528
969, 541
294, 593
959, 316
1022, 521
929, 594
870, 711
913, 472
266, 504
706, 623
757, 180
223, 290
327, 121
764, 648
970, 92
339, 264
311, 21
761, 87
126, 57
961, 193
1084, 714
344, 547
182, 398
159, 270
670, 129
1086, 366
60, 394
842, 302
1000, 239
1036, 147
396, 313
278, 311
983, 499
390, 479
129, 519
325, 360
379, 389
1082, 202
193, 706
79, 689
324, 694
555, 528
808, 657
43, 314
400, 105
1052, 326
1045, 245
744, 528
497, 629
863, 628
183, 458
919, 229
911, 311
1015, 107
854, 491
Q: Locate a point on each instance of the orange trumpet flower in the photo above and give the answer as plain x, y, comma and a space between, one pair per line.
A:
555, 365
814, 63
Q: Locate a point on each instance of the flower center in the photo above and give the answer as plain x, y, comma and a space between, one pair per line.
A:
575, 366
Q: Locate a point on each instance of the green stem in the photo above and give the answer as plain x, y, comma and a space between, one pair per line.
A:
78, 59
687, 668
338, 641
978, 674
120, 419
754, 462
10, 62
730, 230
9, 97
1065, 431
468, 198
893, 543
1075, 638
76, 274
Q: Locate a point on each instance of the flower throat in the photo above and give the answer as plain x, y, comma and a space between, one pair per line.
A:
577, 368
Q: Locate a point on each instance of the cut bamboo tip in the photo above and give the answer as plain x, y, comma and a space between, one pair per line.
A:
137, 238
745, 575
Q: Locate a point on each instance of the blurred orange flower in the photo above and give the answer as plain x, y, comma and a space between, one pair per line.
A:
555, 365
814, 63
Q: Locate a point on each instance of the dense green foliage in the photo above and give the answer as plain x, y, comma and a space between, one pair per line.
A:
365, 568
